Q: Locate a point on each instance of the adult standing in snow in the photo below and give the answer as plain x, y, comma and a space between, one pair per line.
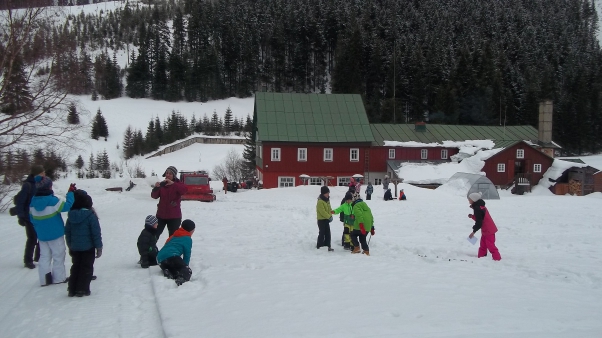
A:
83, 237
22, 200
369, 191
386, 182
363, 223
323, 211
484, 222
45, 214
169, 192
225, 182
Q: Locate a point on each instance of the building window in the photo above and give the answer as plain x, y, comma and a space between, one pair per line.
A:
315, 181
285, 182
444, 154
354, 155
537, 168
275, 154
424, 154
391, 153
378, 181
327, 154
302, 154
501, 167
520, 153
343, 181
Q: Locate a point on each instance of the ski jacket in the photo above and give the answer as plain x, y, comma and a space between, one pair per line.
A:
45, 215
323, 208
179, 244
346, 209
24, 196
362, 214
82, 230
358, 186
147, 241
169, 197
369, 189
482, 219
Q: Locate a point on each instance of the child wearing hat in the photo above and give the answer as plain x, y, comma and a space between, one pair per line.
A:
174, 257
84, 239
324, 210
147, 242
45, 215
346, 211
484, 222
169, 192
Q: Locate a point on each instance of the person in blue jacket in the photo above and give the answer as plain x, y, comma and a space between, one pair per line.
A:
174, 257
84, 240
45, 215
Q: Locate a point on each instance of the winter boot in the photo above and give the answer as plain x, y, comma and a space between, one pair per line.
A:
30, 265
356, 250
180, 281
168, 274
48, 278
347, 246
330, 249
366, 252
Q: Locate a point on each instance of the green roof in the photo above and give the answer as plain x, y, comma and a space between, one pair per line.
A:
291, 117
501, 136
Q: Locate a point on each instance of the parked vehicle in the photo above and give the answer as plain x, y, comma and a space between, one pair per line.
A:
198, 186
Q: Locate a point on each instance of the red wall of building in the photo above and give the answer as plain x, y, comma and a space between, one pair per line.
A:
508, 156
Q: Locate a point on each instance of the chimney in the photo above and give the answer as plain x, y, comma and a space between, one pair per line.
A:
545, 122
420, 126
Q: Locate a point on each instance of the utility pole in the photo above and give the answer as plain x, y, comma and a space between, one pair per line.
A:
394, 76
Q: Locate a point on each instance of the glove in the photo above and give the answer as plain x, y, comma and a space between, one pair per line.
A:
72, 187
470, 216
22, 221
98, 252
362, 229
332, 212
372, 231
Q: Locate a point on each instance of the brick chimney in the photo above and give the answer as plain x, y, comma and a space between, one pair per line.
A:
545, 122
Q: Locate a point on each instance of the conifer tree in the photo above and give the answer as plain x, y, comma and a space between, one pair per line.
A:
73, 117
128, 143
16, 97
79, 162
228, 120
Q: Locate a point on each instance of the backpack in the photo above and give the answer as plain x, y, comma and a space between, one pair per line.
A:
23, 193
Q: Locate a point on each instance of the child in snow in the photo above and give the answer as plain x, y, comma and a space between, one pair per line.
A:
369, 191
388, 196
147, 242
346, 212
323, 211
83, 237
45, 215
363, 223
484, 222
170, 258
402, 195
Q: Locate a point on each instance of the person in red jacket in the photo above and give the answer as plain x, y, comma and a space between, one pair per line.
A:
484, 222
169, 192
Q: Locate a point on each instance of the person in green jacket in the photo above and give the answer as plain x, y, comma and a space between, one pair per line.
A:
324, 210
362, 225
347, 211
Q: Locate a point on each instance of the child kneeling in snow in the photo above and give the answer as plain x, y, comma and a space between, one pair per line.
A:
484, 222
147, 242
177, 245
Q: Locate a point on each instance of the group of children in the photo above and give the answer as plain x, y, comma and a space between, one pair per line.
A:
358, 221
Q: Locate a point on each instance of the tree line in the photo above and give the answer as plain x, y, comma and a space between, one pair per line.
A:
486, 62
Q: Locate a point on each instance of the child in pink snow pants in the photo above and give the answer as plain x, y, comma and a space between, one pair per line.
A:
484, 222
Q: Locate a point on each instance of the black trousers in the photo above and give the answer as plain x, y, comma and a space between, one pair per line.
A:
324, 233
82, 269
368, 197
357, 234
172, 225
177, 267
32, 248
149, 259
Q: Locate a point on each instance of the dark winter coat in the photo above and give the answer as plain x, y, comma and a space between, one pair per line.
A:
23, 197
82, 230
369, 189
169, 197
482, 218
147, 241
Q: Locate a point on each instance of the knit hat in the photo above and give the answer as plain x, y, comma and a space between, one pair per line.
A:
171, 169
188, 225
81, 200
475, 196
44, 186
150, 220
348, 196
324, 190
36, 170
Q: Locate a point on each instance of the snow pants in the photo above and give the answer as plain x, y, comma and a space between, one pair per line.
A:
324, 233
52, 260
172, 225
177, 267
32, 248
347, 236
488, 243
358, 239
368, 197
82, 269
